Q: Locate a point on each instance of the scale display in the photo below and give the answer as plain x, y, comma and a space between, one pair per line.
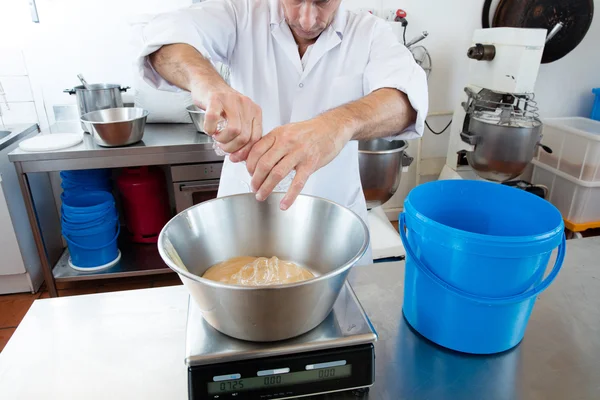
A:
272, 381
286, 376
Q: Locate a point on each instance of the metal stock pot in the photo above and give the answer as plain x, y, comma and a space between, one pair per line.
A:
99, 96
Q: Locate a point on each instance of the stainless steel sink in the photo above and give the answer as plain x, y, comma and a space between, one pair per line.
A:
11, 134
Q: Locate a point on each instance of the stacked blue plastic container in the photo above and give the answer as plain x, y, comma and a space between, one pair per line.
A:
596, 106
89, 218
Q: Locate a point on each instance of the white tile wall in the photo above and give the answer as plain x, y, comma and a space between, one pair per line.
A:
12, 62
16, 88
19, 113
18, 91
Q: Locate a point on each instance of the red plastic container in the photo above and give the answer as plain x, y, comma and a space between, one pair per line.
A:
145, 202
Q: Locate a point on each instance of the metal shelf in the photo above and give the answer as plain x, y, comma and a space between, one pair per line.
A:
136, 260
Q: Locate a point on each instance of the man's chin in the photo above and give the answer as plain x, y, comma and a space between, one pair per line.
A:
306, 35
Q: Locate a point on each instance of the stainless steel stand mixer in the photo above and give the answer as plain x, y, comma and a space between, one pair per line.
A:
496, 130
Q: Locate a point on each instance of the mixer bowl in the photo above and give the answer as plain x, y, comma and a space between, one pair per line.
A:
381, 163
316, 233
502, 152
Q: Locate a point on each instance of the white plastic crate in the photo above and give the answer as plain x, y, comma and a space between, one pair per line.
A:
577, 200
576, 147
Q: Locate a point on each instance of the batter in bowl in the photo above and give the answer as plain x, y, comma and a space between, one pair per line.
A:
261, 271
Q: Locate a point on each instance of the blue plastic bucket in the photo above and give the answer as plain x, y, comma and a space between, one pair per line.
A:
82, 190
476, 257
596, 106
71, 186
75, 182
96, 235
86, 218
86, 174
95, 255
88, 202
80, 224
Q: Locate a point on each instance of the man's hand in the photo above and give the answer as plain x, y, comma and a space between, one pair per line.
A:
183, 66
244, 119
304, 146
310, 145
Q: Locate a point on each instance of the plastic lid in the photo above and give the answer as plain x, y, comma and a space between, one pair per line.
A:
50, 142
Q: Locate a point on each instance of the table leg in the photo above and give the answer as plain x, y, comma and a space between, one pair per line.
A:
35, 229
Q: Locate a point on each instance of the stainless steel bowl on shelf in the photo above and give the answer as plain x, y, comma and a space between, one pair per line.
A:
316, 233
381, 163
197, 115
115, 127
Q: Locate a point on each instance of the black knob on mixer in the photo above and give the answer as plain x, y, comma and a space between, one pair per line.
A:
482, 52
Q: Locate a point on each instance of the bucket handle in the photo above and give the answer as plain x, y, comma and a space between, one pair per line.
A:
481, 299
95, 248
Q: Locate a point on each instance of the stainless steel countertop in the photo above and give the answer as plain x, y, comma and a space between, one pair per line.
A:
559, 357
17, 132
161, 144
129, 345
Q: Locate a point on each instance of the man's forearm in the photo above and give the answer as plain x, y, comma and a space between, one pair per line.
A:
183, 66
385, 112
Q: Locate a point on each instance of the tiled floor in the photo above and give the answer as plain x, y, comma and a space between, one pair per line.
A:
13, 307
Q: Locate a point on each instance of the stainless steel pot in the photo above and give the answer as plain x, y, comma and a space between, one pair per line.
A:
381, 163
98, 97
116, 126
323, 236
501, 152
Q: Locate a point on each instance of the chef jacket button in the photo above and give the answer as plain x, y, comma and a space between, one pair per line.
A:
301, 85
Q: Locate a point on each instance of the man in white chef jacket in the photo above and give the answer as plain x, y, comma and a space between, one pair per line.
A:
308, 79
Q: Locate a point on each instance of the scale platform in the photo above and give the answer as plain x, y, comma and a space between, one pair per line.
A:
338, 355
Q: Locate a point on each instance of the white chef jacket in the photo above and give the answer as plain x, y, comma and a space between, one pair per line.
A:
356, 55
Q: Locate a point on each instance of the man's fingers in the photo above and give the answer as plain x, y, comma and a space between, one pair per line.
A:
232, 130
265, 165
257, 151
277, 174
214, 112
244, 152
240, 113
241, 154
257, 126
302, 174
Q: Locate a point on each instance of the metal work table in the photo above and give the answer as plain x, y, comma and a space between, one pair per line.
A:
163, 144
131, 345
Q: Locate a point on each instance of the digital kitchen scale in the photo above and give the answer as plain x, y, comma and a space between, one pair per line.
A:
338, 355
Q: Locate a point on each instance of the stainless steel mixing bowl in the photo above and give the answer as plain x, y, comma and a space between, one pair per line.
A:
318, 234
381, 162
502, 152
115, 127
197, 115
